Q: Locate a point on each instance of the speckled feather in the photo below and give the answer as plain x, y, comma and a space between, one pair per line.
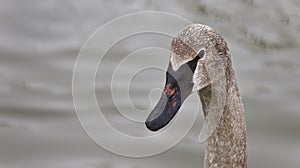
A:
226, 146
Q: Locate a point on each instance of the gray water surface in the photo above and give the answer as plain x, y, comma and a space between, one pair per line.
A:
41, 39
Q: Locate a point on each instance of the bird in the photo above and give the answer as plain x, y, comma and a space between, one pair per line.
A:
200, 62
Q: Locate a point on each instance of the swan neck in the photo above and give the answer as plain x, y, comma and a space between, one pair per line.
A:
226, 146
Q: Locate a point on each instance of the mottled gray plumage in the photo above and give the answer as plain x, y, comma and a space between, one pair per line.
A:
226, 145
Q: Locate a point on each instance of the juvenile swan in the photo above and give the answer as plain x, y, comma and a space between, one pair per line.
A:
200, 61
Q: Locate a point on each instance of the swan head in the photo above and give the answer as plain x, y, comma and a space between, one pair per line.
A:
199, 56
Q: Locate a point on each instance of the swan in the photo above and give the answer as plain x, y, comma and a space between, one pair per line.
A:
199, 61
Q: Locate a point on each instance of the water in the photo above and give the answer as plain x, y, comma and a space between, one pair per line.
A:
39, 44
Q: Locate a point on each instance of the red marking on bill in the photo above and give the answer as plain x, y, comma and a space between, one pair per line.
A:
173, 104
168, 90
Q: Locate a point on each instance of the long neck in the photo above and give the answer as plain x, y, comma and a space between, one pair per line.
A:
226, 146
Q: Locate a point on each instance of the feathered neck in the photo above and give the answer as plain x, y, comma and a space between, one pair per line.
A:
226, 146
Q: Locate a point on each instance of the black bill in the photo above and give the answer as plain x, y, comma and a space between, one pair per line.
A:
178, 87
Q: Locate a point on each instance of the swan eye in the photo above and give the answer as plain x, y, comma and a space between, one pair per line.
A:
201, 54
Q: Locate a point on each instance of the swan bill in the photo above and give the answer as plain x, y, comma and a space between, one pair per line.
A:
178, 87
167, 106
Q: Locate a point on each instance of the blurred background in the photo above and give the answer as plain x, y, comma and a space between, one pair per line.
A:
41, 39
